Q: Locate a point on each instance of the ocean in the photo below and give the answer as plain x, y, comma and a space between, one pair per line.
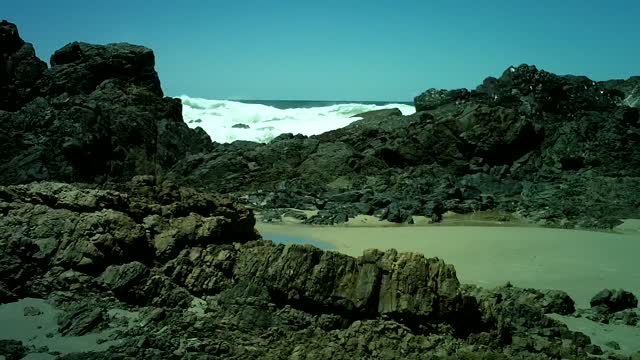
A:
262, 120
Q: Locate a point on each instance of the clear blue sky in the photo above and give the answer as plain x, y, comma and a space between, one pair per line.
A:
344, 49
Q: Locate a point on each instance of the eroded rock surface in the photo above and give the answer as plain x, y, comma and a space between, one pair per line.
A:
199, 282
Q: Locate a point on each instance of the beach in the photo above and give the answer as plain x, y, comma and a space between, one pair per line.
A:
578, 262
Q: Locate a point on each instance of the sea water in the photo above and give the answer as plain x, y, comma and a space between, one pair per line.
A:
268, 119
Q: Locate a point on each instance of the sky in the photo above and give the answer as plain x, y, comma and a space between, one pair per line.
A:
377, 50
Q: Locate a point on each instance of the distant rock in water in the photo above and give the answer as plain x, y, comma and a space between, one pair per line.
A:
240, 126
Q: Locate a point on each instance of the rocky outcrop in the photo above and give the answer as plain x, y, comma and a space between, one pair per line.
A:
195, 278
20, 69
613, 307
98, 114
555, 150
630, 88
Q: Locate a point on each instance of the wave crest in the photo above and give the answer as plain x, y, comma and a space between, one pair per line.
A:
218, 117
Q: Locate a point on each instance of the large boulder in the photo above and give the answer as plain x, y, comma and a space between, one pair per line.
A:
78, 68
614, 300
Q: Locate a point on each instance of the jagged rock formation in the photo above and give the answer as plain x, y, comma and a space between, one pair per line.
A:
169, 272
164, 252
557, 150
98, 114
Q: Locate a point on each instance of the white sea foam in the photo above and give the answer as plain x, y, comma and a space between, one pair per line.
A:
217, 118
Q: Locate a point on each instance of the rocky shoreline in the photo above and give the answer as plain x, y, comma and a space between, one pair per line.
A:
139, 231
195, 281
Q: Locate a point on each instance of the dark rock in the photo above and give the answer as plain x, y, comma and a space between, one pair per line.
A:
398, 214
557, 302
299, 215
363, 209
240, 126
612, 345
81, 67
32, 311
593, 349
630, 88
282, 137
614, 300
97, 114
626, 317
433, 98
327, 217
20, 69
382, 113
6, 296
122, 279
80, 320
12, 349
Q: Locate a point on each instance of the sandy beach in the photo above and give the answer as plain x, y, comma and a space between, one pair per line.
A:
578, 262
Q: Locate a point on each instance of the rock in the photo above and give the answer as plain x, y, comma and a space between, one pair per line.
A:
433, 98
240, 126
20, 69
397, 214
32, 311
12, 349
80, 67
6, 295
298, 215
122, 279
327, 217
80, 320
594, 349
557, 302
630, 88
53, 225
382, 113
312, 276
100, 105
612, 345
626, 317
614, 300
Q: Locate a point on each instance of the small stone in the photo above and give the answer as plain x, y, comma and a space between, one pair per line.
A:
593, 349
32, 311
613, 345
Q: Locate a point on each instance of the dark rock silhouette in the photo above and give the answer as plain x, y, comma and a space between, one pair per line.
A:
98, 114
